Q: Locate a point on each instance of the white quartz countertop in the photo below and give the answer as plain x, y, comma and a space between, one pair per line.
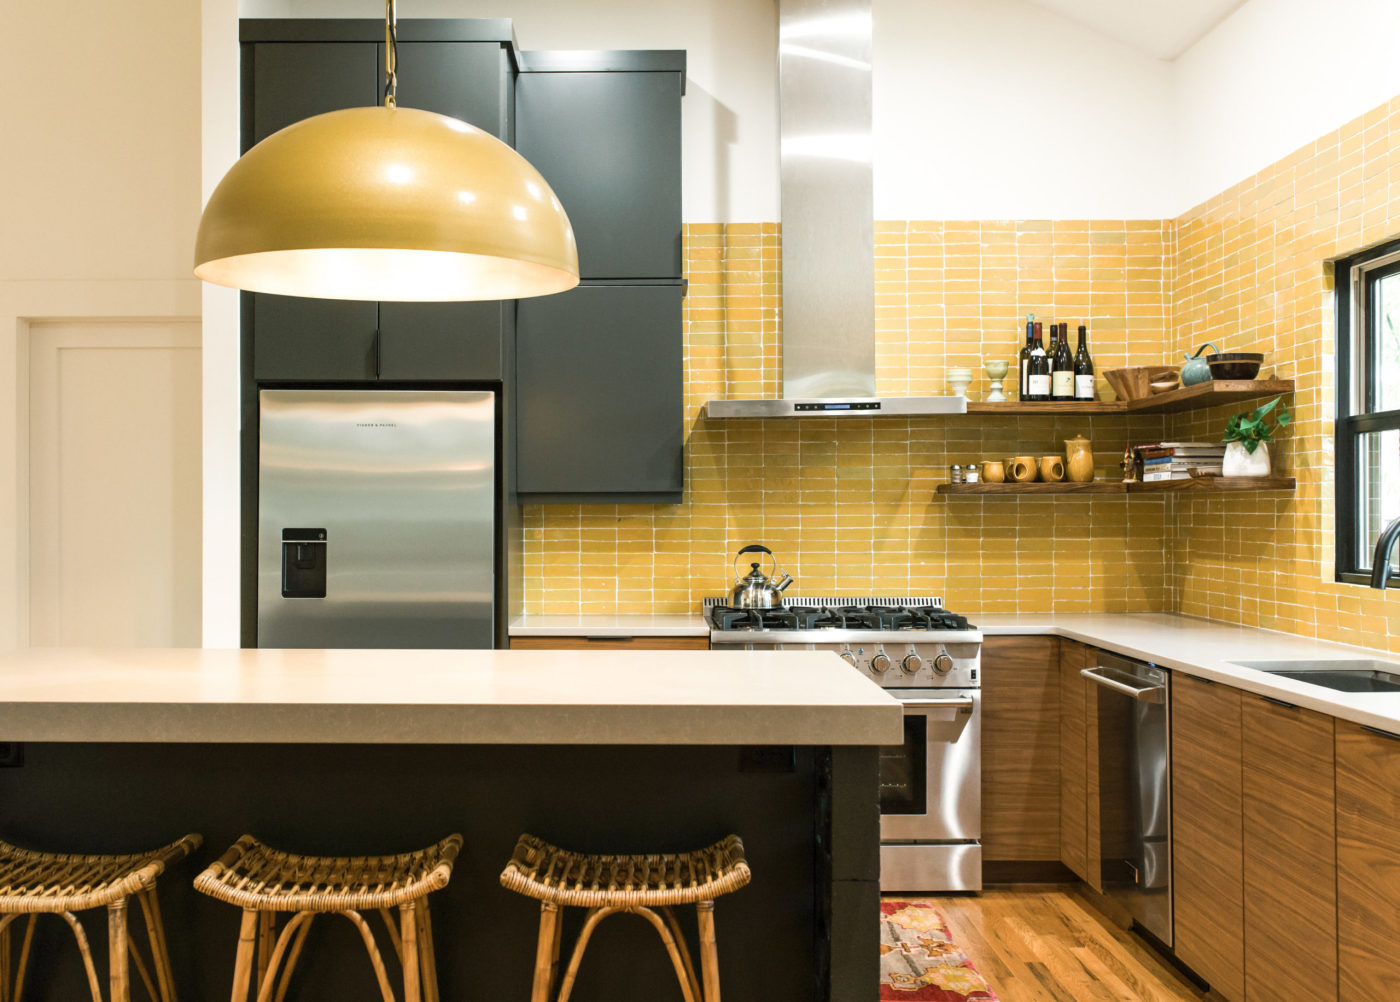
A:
1208, 650
442, 697
677, 625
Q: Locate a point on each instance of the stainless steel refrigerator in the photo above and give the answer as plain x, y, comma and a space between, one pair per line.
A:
376, 518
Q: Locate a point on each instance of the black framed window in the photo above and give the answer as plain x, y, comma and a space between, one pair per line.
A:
1368, 406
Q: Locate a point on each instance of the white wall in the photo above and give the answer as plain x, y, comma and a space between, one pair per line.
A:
1274, 75
997, 109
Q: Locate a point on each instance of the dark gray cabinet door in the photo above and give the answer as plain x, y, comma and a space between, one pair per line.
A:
600, 396
295, 80
609, 144
440, 340
447, 340
463, 79
312, 339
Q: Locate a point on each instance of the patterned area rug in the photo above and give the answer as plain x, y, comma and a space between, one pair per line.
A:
919, 960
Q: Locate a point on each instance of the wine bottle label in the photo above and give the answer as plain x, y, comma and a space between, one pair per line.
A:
1083, 387
1038, 386
1024, 391
1062, 384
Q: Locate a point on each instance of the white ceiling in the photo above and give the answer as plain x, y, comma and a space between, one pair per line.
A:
1163, 28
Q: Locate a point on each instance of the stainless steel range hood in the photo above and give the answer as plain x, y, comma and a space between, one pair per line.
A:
824, 61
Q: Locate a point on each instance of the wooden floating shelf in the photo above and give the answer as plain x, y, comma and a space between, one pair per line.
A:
1198, 484
1187, 398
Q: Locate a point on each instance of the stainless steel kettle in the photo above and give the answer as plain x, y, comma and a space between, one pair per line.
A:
756, 590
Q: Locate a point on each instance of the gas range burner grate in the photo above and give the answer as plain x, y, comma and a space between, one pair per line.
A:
843, 617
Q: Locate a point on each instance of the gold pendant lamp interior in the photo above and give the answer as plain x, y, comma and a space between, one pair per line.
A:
386, 203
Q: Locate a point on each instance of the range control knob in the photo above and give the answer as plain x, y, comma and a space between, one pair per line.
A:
910, 664
880, 664
943, 663
849, 658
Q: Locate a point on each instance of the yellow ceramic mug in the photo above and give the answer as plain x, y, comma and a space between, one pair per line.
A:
993, 472
1052, 469
1021, 469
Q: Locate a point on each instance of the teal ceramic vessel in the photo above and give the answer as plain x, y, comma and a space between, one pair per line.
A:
1195, 370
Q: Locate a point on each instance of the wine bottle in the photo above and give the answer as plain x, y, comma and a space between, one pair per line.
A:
1038, 370
1062, 368
1025, 355
1083, 368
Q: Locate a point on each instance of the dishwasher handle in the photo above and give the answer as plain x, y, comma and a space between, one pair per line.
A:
1147, 694
962, 703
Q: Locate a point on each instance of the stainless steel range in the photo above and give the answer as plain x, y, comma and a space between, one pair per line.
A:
930, 660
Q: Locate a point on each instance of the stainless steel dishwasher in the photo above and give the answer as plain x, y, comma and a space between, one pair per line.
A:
1134, 760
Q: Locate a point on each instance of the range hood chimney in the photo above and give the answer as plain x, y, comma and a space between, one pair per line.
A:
828, 215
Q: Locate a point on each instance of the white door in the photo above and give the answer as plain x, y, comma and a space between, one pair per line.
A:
114, 484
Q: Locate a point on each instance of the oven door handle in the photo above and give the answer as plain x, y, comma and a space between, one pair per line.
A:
960, 703
1150, 694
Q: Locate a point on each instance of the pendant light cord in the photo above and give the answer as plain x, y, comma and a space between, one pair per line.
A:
391, 53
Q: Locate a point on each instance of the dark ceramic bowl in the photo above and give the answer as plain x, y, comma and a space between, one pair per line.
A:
1235, 364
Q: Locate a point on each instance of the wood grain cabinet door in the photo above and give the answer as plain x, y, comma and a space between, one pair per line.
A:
1290, 854
1368, 863
1074, 758
1208, 832
1021, 749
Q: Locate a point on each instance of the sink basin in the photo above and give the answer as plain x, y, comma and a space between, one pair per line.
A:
1357, 675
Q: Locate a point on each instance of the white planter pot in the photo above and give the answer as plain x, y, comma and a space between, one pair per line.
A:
1241, 463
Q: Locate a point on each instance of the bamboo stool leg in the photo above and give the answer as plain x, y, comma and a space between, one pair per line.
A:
546, 952
94, 985
243, 962
305, 918
5, 959
372, 949
141, 968
408, 924
278, 951
595, 915
671, 951
119, 979
267, 937
24, 957
427, 959
684, 948
160, 949
392, 926
709, 951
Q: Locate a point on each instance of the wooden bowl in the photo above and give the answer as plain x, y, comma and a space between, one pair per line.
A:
1134, 382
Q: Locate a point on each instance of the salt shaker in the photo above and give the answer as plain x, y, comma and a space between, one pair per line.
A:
955, 474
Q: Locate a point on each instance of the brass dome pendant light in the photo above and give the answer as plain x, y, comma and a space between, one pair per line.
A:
386, 203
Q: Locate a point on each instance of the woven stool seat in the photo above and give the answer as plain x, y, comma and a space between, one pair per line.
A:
546, 872
254, 876
32, 881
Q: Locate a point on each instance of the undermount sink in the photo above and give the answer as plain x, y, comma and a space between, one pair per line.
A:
1356, 675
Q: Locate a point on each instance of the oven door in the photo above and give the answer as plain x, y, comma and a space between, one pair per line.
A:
931, 785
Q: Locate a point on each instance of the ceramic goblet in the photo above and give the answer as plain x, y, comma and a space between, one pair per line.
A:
996, 370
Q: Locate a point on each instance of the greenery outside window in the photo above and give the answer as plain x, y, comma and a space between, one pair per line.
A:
1368, 405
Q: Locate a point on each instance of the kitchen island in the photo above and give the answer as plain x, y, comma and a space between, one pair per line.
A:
342, 752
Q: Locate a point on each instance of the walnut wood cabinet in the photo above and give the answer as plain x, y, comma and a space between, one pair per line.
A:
575, 643
1207, 832
1368, 863
1290, 854
1074, 759
1020, 749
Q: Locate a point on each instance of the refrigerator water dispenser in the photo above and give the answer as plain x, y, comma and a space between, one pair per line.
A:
303, 563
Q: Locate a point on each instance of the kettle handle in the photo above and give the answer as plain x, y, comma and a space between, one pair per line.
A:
756, 548
1201, 349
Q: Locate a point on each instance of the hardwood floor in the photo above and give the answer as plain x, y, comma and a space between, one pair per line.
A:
1045, 943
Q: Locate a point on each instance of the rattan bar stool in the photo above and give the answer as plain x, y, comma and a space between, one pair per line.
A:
642, 885
264, 881
36, 883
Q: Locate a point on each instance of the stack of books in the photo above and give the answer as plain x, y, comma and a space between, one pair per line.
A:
1175, 460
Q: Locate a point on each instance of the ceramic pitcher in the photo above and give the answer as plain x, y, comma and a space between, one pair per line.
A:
1079, 460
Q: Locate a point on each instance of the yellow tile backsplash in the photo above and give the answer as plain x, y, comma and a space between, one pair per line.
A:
848, 504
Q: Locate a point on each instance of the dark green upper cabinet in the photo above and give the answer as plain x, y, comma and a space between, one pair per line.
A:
600, 394
609, 144
299, 68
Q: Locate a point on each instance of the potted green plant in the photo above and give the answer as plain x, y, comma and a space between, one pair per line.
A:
1247, 438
